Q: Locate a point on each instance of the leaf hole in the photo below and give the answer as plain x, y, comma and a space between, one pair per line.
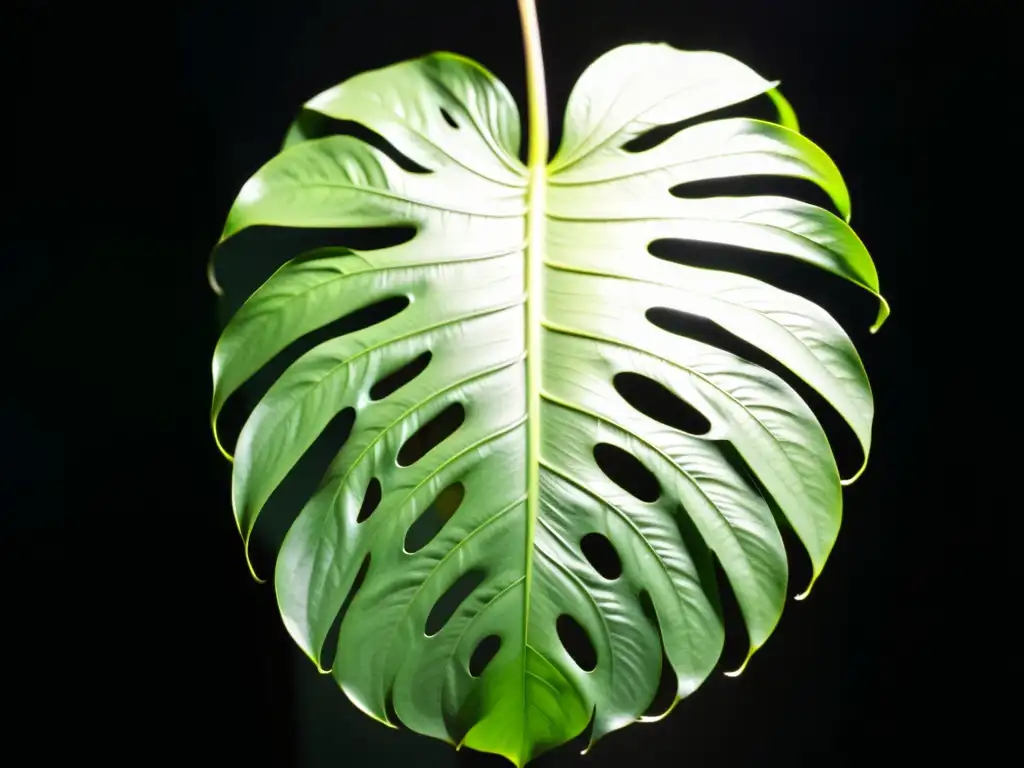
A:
576, 642
601, 554
647, 606
316, 125
454, 596
840, 436
668, 683
850, 305
251, 257
742, 186
330, 649
448, 118
760, 108
701, 555
241, 403
737, 640
655, 400
301, 482
398, 379
364, 317
432, 434
429, 524
371, 500
483, 654
800, 566
390, 713
626, 471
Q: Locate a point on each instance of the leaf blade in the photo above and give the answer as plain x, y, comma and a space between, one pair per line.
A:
530, 287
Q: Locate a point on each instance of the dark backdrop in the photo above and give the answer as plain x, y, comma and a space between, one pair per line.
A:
131, 611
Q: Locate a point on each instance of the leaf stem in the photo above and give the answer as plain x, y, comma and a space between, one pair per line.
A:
537, 160
536, 89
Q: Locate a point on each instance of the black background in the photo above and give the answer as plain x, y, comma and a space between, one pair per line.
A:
129, 603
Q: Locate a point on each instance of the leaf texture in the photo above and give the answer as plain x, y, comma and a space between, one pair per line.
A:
505, 564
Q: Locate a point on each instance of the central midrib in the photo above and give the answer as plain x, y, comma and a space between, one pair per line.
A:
533, 278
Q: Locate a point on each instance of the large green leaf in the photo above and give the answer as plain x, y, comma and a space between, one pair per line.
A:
530, 288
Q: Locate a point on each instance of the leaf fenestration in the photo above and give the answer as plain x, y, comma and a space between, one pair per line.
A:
497, 612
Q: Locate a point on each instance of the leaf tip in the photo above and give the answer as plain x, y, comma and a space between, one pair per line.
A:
248, 562
739, 671
216, 439
856, 475
883, 315
211, 277
786, 113
806, 593
663, 715
358, 704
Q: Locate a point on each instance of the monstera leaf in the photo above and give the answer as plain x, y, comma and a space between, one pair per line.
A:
529, 294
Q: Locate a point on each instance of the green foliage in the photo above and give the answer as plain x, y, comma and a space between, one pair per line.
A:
530, 288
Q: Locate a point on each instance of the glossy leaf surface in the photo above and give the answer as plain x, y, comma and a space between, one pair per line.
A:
537, 397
